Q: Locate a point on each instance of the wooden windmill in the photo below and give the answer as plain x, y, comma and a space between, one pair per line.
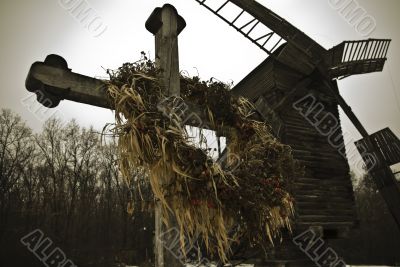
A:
298, 69
295, 90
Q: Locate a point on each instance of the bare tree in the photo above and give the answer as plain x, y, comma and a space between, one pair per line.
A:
66, 182
16, 149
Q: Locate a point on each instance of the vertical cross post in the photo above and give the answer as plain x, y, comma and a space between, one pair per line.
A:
166, 24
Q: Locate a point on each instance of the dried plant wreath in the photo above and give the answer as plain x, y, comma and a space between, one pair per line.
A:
248, 192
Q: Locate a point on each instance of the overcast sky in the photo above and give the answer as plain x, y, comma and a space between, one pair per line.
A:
30, 30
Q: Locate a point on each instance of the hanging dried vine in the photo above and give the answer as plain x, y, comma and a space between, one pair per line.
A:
248, 191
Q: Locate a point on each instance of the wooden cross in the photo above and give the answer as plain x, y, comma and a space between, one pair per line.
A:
166, 24
53, 81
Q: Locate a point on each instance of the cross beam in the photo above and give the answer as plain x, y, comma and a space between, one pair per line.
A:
52, 81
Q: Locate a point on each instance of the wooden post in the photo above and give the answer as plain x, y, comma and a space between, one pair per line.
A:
166, 24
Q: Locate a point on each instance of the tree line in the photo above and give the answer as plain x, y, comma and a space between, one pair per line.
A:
65, 181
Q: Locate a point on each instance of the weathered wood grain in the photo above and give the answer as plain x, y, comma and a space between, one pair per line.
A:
167, 59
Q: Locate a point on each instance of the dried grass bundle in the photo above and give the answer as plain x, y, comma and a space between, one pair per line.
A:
248, 193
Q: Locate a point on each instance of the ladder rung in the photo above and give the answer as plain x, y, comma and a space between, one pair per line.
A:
364, 53
370, 44
375, 50
272, 49
252, 28
238, 16
262, 37
350, 52
269, 38
356, 51
384, 53
247, 24
382, 49
221, 7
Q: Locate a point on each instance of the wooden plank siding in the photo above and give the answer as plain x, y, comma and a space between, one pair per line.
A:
323, 195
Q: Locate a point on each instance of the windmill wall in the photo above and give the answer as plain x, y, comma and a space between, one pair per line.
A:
323, 194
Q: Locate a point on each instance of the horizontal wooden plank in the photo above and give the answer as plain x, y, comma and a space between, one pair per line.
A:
331, 180
62, 83
65, 84
325, 218
334, 206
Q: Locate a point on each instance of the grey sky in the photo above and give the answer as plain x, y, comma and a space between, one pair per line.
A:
32, 29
